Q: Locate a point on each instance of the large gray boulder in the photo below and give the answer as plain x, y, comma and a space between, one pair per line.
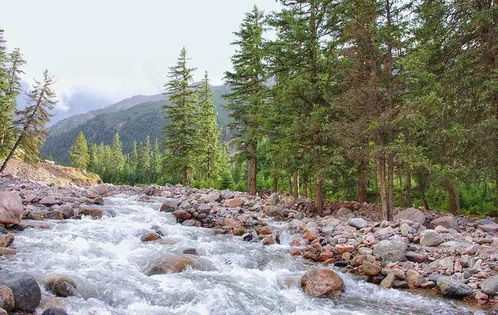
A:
490, 285
411, 214
358, 223
448, 221
452, 288
430, 238
11, 208
390, 251
27, 293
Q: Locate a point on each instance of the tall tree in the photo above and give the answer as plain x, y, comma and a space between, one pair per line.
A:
249, 92
78, 153
32, 120
181, 137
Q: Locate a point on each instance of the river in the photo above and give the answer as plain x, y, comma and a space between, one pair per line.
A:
109, 264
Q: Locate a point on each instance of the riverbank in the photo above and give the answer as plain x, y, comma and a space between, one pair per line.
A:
452, 256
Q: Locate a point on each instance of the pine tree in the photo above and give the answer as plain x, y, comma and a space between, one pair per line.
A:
210, 166
116, 159
249, 92
32, 120
181, 137
79, 154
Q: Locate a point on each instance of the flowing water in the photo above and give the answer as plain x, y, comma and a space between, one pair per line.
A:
109, 264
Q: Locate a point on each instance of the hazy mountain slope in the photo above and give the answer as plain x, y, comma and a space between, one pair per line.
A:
133, 122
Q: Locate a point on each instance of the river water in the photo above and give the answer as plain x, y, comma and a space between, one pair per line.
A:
109, 264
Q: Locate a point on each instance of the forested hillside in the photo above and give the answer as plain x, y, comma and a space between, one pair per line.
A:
133, 119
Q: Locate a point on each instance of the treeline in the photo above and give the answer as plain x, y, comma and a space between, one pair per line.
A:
390, 101
22, 130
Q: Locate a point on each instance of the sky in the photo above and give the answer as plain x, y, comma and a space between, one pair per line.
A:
108, 50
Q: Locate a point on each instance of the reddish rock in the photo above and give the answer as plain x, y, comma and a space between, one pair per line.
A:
11, 208
388, 281
6, 239
61, 286
50, 201
369, 268
265, 230
428, 285
295, 252
235, 202
268, 240
152, 236
182, 214
297, 242
171, 265
238, 231
93, 212
322, 283
413, 278
344, 248
325, 256
416, 257
310, 236
6, 298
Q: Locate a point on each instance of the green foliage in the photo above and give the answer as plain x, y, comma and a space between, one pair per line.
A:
79, 152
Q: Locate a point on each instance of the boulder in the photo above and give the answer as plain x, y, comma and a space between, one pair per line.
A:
411, 214
49, 201
170, 205
416, 257
490, 228
343, 212
27, 293
233, 203
6, 239
6, 298
369, 268
54, 311
430, 238
490, 285
90, 211
211, 197
390, 251
265, 230
61, 286
273, 211
358, 223
182, 214
148, 237
413, 278
388, 281
452, 288
171, 265
11, 208
322, 283
448, 221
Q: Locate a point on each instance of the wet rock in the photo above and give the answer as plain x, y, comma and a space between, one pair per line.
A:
5, 251
265, 230
430, 238
447, 221
27, 293
60, 286
238, 231
6, 298
182, 214
413, 278
171, 265
411, 214
416, 257
170, 205
268, 240
233, 203
6, 239
452, 288
191, 222
388, 281
90, 211
341, 263
490, 285
322, 283
152, 236
369, 268
54, 311
390, 251
247, 237
358, 223
11, 208
190, 251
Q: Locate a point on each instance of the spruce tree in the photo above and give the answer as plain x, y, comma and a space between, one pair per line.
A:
32, 120
249, 92
78, 153
181, 137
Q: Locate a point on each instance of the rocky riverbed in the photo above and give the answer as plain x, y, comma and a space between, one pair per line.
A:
454, 257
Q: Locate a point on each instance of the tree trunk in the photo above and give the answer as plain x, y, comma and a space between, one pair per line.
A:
409, 195
385, 174
362, 180
305, 186
295, 190
453, 198
319, 196
252, 165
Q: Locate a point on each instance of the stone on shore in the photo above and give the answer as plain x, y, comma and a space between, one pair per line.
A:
390, 251
11, 208
430, 238
411, 214
322, 283
6, 298
490, 285
358, 223
448, 221
170, 205
452, 288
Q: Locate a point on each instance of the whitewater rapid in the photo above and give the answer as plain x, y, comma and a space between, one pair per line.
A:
109, 264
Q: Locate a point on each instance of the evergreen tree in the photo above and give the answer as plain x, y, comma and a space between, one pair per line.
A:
32, 120
249, 92
79, 154
181, 137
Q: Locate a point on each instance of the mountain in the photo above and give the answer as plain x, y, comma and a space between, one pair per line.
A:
133, 119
